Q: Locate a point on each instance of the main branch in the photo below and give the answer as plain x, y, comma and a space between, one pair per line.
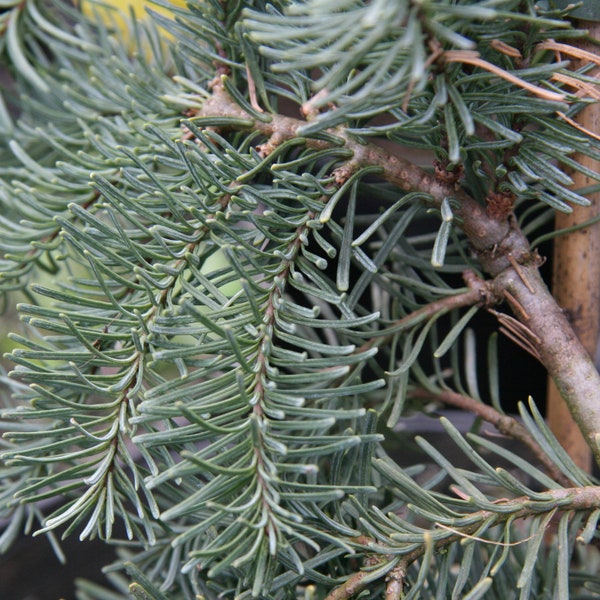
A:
500, 245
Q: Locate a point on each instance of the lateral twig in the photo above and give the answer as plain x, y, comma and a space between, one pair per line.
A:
479, 292
505, 424
356, 583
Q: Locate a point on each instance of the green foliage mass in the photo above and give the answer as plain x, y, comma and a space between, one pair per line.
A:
217, 341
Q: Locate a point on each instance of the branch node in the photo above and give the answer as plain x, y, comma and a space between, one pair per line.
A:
500, 205
345, 171
395, 582
309, 110
448, 175
487, 295
271, 144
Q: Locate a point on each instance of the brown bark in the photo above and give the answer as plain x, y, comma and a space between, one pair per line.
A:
576, 281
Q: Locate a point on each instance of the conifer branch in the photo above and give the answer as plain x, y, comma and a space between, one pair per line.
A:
235, 300
498, 244
549, 504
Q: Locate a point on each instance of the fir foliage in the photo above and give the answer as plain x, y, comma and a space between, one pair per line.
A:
222, 324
